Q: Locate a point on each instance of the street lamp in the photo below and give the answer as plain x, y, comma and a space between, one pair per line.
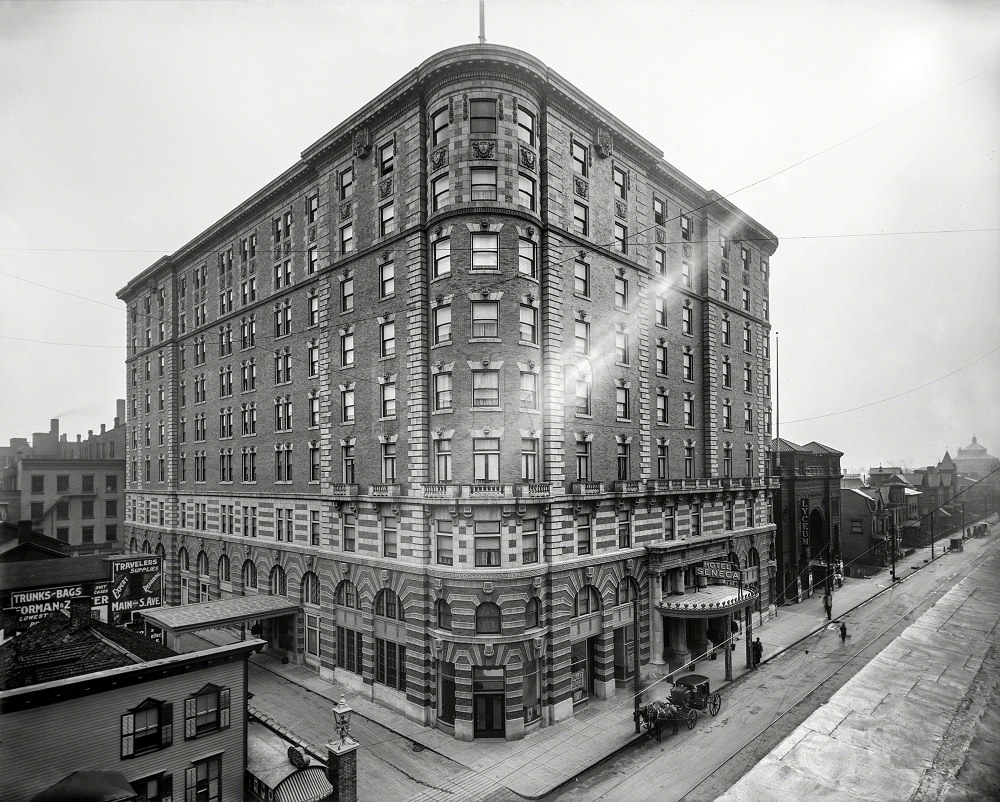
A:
342, 720
342, 756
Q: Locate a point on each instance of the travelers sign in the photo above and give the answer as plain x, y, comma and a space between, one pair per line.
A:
136, 584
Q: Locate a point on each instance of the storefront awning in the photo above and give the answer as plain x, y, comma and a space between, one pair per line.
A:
708, 602
225, 612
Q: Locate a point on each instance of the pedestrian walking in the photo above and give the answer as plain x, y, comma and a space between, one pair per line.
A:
758, 652
736, 630
843, 632
828, 605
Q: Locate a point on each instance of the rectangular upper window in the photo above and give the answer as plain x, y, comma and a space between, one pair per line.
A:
347, 184
526, 257
485, 251
439, 125
147, 728
620, 177
486, 319
386, 157
526, 126
483, 116
621, 238
484, 183
581, 158
206, 711
387, 220
685, 228
526, 191
440, 189
659, 211
581, 218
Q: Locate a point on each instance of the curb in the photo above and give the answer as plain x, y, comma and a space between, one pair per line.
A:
266, 721
356, 712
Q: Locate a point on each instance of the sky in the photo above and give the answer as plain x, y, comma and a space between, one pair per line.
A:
863, 133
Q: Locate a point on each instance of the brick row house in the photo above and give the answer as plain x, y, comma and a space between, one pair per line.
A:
474, 380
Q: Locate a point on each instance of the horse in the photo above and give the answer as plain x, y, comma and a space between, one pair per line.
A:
655, 713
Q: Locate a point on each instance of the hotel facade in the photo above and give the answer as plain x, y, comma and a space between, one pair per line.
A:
477, 379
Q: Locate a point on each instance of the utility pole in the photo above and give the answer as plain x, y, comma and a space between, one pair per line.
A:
963, 520
635, 650
892, 544
932, 535
828, 599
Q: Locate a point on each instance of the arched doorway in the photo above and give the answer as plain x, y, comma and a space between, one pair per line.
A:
819, 538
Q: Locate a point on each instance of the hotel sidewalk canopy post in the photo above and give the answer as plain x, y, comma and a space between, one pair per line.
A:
342, 757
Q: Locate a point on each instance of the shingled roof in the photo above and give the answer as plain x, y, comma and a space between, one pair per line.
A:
61, 646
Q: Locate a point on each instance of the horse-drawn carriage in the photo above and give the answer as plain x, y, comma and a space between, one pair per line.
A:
690, 694
694, 691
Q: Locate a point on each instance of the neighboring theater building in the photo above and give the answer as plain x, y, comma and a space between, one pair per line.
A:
79, 694
415, 391
807, 514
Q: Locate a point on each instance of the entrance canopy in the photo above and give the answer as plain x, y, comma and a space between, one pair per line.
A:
225, 612
708, 602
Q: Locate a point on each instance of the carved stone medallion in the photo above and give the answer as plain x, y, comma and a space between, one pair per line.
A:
580, 187
484, 149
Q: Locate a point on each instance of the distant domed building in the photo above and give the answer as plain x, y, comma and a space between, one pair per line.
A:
974, 460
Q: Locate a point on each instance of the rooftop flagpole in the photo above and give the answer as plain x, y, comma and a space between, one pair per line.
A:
482, 22
777, 386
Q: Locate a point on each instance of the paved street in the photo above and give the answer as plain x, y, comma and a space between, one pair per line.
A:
596, 755
388, 768
761, 708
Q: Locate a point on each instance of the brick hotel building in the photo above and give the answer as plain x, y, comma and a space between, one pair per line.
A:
476, 373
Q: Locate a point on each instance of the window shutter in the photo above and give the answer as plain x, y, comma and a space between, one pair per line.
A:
223, 708
128, 724
167, 787
190, 718
166, 724
191, 784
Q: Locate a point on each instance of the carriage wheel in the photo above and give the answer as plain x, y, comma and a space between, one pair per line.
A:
714, 704
692, 719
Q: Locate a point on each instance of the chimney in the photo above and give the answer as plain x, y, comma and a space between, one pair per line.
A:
54, 427
9, 619
90, 434
79, 613
78, 437
24, 531
103, 428
120, 411
62, 438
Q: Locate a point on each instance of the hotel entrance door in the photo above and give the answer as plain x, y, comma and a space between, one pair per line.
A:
488, 702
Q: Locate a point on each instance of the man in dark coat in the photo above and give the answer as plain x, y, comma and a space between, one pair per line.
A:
843, 632
758, 652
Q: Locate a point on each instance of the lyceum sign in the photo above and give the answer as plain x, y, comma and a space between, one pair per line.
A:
136, 584
804, 520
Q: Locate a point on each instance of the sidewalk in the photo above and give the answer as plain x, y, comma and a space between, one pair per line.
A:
552, 756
